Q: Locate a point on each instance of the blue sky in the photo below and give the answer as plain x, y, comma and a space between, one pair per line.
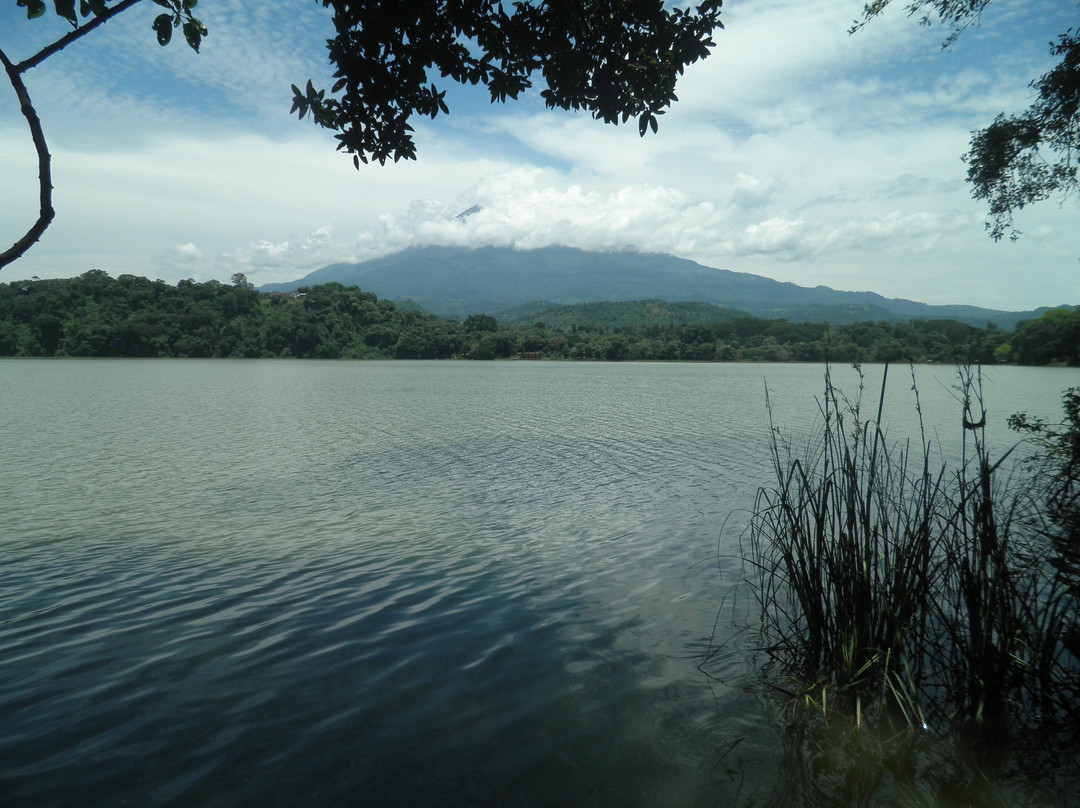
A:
796, 151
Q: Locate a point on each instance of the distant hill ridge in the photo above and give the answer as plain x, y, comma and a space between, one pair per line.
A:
632, 314
456, 282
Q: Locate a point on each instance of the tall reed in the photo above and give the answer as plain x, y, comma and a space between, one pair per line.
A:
893, 586
1005, 661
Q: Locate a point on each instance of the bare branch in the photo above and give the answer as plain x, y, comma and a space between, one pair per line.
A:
14, 72
47, 213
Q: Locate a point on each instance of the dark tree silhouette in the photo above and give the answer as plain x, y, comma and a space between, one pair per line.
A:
616, 59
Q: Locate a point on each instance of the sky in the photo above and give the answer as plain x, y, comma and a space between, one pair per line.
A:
796, 151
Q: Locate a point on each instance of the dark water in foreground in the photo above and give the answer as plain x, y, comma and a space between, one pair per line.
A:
444, 584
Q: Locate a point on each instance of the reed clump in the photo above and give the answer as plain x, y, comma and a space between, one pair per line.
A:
895, 589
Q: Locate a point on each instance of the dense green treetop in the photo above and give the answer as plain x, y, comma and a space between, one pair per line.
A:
1053, 338
129, 316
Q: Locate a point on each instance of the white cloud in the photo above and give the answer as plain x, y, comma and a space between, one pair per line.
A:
785, 238
187, 252
750, 192
522, 208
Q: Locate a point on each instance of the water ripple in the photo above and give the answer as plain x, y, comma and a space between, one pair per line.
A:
397, 584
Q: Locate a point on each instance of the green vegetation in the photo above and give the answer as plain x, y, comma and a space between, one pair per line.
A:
1052, 339
637, 315
900, 595
96, 315
1056, 470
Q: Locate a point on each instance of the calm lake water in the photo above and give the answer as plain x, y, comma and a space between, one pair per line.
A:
234, 583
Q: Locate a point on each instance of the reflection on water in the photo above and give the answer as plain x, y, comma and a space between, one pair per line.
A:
233, 583
833, 763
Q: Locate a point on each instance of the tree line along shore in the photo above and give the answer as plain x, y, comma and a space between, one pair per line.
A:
95, 315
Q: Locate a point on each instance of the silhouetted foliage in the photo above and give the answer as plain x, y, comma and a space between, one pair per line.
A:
1030, 156
1058, 463
616, 59
906, 597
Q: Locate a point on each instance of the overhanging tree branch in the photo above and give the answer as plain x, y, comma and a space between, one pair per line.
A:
46, 212
178, 15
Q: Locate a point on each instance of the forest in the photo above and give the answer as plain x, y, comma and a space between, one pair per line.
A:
95, 315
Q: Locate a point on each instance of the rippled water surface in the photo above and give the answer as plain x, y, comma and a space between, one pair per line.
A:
440, 584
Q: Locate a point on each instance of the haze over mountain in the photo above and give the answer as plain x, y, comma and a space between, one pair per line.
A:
456, 282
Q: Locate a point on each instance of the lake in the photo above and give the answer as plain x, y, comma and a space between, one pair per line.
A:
271, 582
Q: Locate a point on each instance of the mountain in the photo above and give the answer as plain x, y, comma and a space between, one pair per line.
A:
456, 282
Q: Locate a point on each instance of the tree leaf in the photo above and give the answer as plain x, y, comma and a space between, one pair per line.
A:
66, 9
34, 8
193, 33
163, 27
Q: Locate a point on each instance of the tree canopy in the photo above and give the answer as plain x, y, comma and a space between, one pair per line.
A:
616, 59
1023, 157
96, 315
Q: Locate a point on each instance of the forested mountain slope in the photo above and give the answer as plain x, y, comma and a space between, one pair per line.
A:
95, 315
456, 282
